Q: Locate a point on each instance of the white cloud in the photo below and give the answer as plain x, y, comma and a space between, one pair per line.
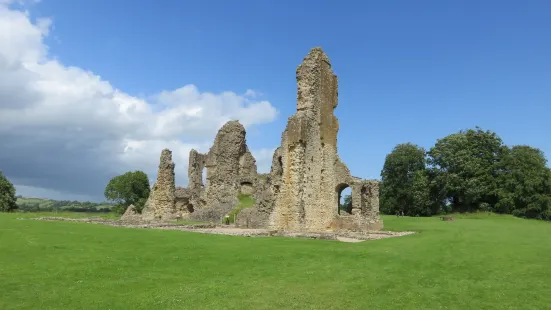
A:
67, 129
252, 93
263, 159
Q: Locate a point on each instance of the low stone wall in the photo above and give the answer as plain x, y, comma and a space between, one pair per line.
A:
123, 223
252, 218
346, 236
354, 223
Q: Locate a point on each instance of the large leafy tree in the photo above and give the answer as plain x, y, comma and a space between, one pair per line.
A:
424, 197
466, 166
402, 172
525, 183
129, 188
7, 195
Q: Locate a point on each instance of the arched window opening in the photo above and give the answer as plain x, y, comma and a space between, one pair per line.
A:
246, 188
344, 199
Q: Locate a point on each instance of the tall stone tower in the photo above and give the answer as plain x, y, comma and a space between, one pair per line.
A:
161, 202
305, 193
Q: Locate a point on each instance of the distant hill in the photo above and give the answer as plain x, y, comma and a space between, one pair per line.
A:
41, 204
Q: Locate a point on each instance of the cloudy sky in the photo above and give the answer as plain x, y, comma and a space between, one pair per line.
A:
92, 89
67, 130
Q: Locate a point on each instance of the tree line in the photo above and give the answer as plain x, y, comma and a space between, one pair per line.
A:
66, 206
468, 171
121, 191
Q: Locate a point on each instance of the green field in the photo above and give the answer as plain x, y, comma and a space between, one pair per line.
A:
109, 215
42, 203
476, 262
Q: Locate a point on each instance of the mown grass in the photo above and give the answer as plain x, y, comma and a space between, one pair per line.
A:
109, 215
486, 262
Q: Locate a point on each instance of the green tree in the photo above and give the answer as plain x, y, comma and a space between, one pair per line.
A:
126, 189
401, 167
525, 184
466, 166
424, 202
7, 195
346, 204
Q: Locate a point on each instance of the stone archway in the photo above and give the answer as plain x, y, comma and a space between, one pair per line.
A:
246, 188
344, 205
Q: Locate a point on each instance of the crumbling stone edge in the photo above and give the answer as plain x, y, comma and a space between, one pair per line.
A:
209, 228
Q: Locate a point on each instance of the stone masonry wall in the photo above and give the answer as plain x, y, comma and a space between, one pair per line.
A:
228, 163
161, 201
307, 172
197, 162
308, 151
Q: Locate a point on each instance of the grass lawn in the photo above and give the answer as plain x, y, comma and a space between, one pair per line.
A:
110, 215
476, 262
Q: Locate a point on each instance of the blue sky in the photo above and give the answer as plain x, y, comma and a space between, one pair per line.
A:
409, 71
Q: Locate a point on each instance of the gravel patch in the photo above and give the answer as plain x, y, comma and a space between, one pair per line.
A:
345, 239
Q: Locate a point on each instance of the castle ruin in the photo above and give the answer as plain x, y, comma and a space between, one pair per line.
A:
302, 190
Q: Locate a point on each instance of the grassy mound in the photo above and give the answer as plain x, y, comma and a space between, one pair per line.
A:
245, 201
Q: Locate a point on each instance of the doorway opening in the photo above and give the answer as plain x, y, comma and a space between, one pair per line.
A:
344, 199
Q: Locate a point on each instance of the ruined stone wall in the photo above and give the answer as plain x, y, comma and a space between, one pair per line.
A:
183, 206
161, 202
266, 189
307, 173
246, 188
365, 208
369, 204
131, 215
247, 173
230, 169
302, 190
258, 215
247, 166
308, 151
229, 163
197, 162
